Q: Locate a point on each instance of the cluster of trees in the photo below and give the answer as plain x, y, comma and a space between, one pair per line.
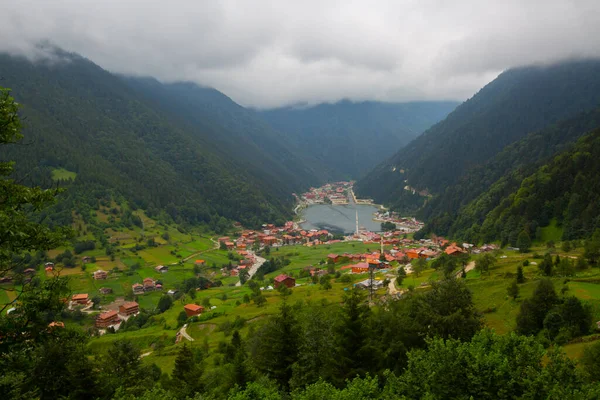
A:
551, 317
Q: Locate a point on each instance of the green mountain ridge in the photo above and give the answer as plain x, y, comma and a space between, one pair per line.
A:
463, 207
566, 189
80, 117
518, 102
349, 138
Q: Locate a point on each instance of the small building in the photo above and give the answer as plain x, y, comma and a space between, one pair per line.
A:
137, 288
367, 283
86, 260
56, 324
412, 254
107, 319
162, 269
129, 308
334, 258
80, 298
49, 264
453, 250
193, 310
100, 274
200, 263
29, 271
269, 240
229, 245
172, 292
149, 284
105, 290
360, 268
284, 280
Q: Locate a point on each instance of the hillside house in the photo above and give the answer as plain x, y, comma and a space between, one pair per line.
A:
454, 250
360, 268
129, 308
149, 284
200, 263
80, 298
49, 264
366, 284
100, 274
269, 240
162, 269
412, 254
224, 239
137, 288
105, 290
334, 258
283, 279
29, 271
192, 310
107, 319
86, 260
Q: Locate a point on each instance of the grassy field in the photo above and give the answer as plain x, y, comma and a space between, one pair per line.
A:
63, 174
489, 290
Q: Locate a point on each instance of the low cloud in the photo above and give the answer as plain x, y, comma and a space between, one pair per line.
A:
274, 53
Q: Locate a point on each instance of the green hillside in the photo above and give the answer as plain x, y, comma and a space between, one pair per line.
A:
518, 102
124, 147
465, 204
566, 190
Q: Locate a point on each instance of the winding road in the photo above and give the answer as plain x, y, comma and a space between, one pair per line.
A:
258, 261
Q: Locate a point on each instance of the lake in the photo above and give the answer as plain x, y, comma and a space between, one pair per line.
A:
340, 219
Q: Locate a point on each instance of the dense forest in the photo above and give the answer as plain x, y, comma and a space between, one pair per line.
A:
467, 203
566, 190
120, 146
350, 138
520, 101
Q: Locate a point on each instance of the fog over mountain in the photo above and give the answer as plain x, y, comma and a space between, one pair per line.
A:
268, 54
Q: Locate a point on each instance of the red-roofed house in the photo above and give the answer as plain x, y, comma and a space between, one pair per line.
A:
149, 284
333, 258
137, 288
453, 250
193, 309
107, 319
129, 308
284, 280
81, 298
412, 254
360, 268
269, 240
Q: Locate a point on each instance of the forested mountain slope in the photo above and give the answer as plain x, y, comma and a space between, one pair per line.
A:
233, 131
79, 117
519, 101
351, 138
461, 209
566, 189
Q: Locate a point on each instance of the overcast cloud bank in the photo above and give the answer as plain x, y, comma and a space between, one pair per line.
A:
275, 53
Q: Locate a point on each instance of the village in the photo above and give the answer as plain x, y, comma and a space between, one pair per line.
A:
386, 252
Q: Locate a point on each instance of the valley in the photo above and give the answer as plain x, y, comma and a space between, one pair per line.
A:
160, 240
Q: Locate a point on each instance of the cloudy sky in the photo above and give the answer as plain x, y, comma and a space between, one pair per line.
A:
272, 53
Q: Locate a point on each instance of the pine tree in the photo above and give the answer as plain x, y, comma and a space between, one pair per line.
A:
513, 290
520, 276
523, 242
